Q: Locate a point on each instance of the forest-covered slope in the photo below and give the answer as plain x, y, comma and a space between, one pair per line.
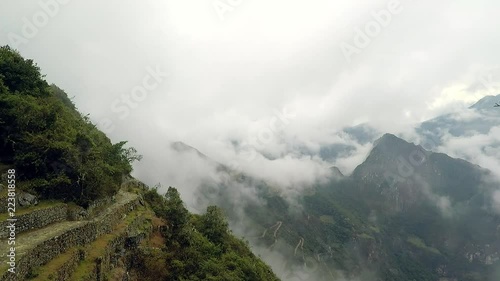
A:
59, 154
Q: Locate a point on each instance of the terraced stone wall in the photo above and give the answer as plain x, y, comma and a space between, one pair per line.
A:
80, 235
36, 219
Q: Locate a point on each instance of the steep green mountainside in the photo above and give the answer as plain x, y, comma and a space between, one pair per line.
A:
404, 214
479, 118
198, 247
58, 154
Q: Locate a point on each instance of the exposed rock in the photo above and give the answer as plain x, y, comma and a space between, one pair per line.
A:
133, 240
26, 199
77, 213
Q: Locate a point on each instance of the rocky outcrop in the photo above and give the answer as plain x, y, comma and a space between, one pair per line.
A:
23, 199
26, 199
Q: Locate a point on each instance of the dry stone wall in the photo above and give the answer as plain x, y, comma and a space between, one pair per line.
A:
64, 272
36, 219
80, 235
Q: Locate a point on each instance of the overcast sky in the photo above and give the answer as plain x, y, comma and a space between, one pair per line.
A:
265, 75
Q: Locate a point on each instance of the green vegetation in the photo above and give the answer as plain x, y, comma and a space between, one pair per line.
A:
98, 248
62, 157
327, 219
48, 271
58, 152
197, 247
363, 225
419, 243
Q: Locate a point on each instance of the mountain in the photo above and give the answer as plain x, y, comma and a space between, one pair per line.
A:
436, 203
80, 215
479, 118
184, 148
486, 103
405, 213
336, 172
347, 139
396, 162
362, 133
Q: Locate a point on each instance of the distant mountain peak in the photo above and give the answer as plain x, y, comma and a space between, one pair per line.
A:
386, 156
387, 137
183, 148
487, 102
392, 142
336, 172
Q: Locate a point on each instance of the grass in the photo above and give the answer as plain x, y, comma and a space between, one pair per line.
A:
98, 247
419, 243
47, 272
93, 250
327, 219
366, 236
156, 240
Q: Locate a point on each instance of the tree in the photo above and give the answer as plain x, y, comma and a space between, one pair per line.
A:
59, 153
176, 214
214, 225
20, 75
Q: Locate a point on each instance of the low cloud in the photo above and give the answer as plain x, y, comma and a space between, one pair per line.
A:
480, 149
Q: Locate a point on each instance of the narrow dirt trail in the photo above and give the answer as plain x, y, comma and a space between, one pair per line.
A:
300, 244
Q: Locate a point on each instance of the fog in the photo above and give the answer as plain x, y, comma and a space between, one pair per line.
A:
255, 84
